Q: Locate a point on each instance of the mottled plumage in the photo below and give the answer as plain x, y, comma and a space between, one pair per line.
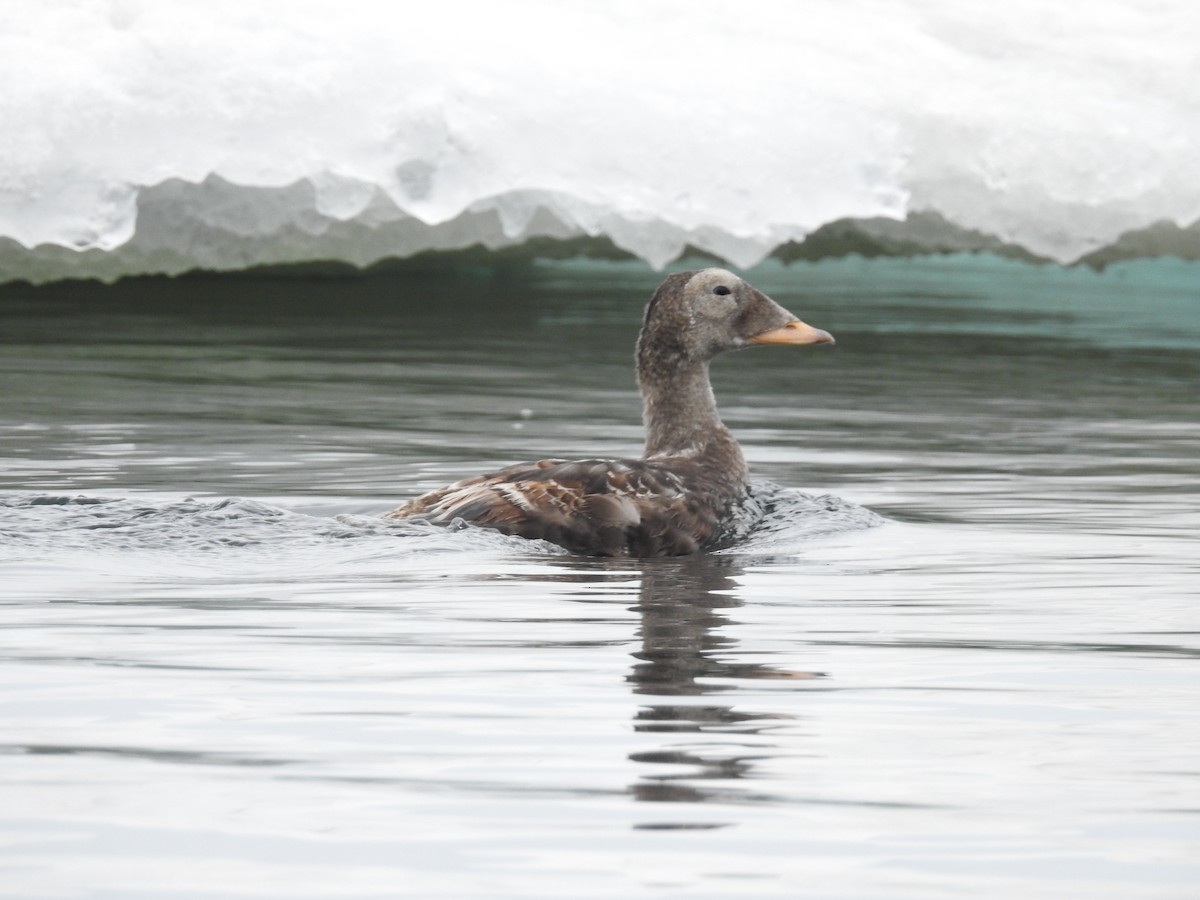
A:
680, 496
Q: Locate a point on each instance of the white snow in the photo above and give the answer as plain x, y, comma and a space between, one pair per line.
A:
167, 134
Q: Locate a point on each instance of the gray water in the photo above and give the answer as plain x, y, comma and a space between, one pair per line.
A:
960, 657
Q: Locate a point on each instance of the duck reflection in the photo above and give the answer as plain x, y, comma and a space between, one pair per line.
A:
685, 652
686, 676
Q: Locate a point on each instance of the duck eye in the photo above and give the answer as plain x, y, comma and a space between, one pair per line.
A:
721, 289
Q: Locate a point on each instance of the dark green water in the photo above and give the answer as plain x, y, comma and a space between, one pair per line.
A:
995, 691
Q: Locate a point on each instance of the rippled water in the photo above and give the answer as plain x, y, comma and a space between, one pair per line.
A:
959, 658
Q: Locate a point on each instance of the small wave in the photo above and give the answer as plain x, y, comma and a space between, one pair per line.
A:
790, 518
34, 526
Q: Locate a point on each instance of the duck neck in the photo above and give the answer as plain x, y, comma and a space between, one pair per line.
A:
680, 411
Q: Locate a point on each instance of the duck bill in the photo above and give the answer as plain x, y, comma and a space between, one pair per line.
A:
796, 332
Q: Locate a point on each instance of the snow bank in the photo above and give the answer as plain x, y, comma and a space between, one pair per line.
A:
164, 136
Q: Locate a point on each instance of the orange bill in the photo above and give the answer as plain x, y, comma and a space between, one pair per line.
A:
794, 333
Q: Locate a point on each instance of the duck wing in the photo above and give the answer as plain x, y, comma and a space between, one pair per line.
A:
596, 507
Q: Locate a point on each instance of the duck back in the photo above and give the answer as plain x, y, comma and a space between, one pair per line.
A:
596, 507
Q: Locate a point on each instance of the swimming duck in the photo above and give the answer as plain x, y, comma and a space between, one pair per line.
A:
681, 495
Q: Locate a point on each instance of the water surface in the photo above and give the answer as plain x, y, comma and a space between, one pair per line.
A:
959, 658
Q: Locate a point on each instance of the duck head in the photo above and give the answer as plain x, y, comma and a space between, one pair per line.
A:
693, 316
